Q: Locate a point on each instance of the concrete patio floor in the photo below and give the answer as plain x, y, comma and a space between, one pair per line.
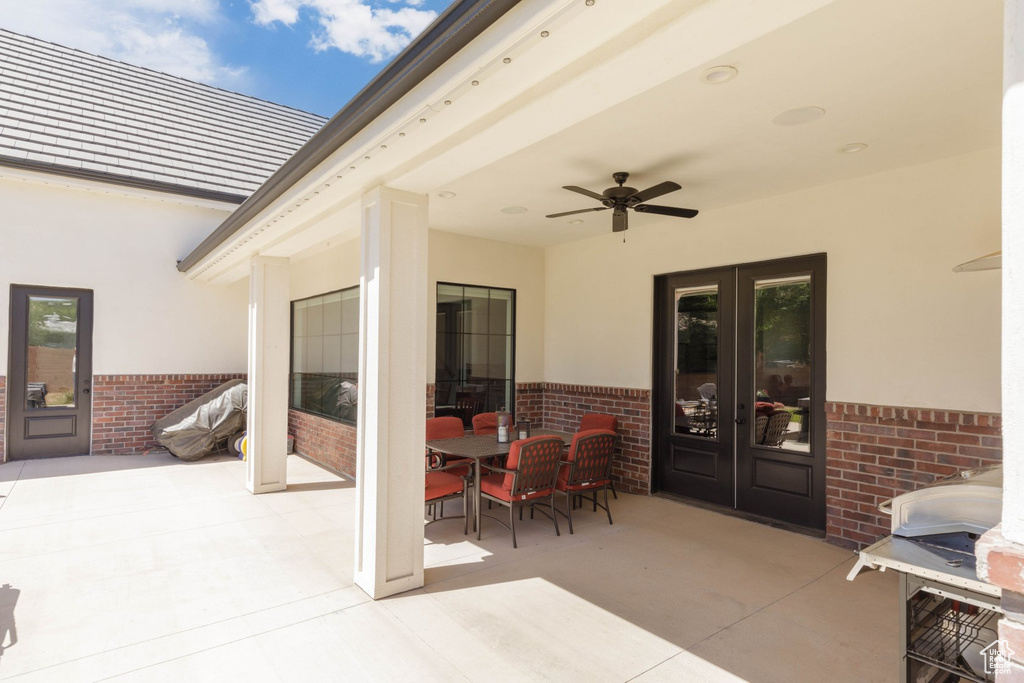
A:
145, 568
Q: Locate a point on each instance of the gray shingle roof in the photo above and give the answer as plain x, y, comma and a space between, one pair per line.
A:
69, 112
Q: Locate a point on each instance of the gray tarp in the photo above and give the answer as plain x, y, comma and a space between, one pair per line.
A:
195, 429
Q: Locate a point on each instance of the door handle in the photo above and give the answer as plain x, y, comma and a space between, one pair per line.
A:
740, 420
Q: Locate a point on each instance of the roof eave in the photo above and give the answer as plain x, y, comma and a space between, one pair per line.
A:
123, 181
456, 28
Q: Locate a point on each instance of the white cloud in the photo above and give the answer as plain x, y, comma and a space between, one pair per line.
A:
157, 34
352, 26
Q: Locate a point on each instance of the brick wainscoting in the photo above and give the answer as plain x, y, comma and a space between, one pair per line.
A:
327, 442
124, 407
877, 452
564, 404
530, 402
3, 418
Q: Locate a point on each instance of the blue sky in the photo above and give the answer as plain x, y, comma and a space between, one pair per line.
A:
309, 54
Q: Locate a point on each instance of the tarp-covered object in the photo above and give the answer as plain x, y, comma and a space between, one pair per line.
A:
195, 429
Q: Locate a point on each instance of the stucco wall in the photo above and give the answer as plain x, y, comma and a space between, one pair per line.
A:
903, 329
149, 319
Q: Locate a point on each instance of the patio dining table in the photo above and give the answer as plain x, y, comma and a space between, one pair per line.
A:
477, 448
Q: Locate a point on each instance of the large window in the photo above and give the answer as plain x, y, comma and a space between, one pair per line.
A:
475, 350
325, 355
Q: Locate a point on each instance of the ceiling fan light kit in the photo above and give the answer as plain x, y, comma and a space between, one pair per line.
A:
622, 198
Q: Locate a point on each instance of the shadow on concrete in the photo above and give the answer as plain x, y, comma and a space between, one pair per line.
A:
8, 627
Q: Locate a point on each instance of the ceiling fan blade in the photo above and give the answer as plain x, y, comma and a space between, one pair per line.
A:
666, 210
570, 213
585, 192
619, 221
656, 191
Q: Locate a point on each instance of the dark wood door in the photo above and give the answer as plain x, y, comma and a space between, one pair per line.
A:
49, 399
739, 388
780, 361
694, 385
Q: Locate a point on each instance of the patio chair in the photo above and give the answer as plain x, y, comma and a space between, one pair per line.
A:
587, 469
591, 421
446, 428
442, 428
778, 425
442, 485
485, 423
760, 424
528, 478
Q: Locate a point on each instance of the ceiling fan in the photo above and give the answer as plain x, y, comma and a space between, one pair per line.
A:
622, 198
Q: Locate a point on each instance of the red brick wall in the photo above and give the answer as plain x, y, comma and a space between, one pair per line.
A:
325, 441
3, 418
124, 407
530, 402
565, 404
877, 452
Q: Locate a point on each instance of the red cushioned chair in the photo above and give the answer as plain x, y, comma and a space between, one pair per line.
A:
599, 421
591, 421
442, 485
587, 469
485, 423
442, 428
528, 478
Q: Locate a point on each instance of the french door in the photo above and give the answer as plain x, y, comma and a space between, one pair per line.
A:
49, 401
739, 388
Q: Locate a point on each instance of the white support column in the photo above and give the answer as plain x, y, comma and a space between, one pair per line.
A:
392, 392
269, 321
1013, 272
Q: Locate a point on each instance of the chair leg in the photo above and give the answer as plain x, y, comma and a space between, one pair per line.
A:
465, 510
613, 490
554, 517
606, 508
512, 522
570, 503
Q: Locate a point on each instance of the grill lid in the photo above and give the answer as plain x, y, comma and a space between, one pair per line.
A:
970, 501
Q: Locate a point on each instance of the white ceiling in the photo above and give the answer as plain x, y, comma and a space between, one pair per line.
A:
916, 80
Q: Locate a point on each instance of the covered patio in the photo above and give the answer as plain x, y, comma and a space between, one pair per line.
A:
151, 569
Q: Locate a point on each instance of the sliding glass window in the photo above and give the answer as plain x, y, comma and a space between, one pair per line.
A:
325, 355
475, 350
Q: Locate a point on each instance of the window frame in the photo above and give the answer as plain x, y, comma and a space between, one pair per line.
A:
513, 334
291, 356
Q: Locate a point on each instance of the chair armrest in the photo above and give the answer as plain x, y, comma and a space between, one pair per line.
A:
494, 468
450, 466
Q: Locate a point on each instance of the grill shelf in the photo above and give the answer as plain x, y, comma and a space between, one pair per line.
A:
942, 630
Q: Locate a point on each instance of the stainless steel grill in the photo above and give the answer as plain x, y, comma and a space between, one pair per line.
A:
948, 630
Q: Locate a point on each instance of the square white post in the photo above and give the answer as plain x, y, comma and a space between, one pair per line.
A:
269, 322
1013, 272
392, 392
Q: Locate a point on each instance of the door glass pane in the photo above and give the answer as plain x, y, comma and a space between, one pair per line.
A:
782, 363
52, 352
696, 361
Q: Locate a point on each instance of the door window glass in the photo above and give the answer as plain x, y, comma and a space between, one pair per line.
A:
696, 360
52, 362
782, 363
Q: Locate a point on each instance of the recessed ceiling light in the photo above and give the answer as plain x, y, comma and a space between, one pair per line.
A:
718, 74
798, 116
514, 209
852, 148
544, 34
445, 194
575, 221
